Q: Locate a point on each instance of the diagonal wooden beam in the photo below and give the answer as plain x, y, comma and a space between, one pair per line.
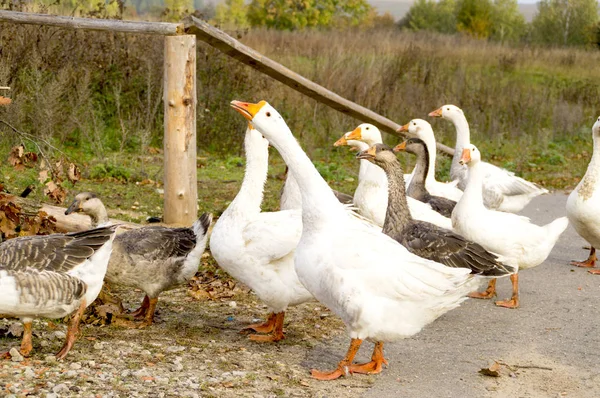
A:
230, 46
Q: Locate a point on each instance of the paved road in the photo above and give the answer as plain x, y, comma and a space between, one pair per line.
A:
553, 338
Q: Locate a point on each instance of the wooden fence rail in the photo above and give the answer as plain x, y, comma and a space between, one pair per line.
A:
112, 25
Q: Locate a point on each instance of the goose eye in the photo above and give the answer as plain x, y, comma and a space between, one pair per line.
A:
447, 109
414, 124
268, 114
367, 128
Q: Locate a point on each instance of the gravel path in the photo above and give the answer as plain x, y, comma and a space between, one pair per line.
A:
547, 348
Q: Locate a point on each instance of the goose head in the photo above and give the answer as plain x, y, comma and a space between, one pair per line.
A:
417, 128
354, 145
366, 133
470, 155
87, 203
264, 118
379, 154
448, 112
596, 128
413, 145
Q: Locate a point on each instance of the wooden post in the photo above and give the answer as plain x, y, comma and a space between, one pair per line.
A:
180, 179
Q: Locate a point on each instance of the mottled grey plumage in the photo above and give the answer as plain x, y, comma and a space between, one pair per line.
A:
42, 293
154, 258
422, 238
56, 252
416, 188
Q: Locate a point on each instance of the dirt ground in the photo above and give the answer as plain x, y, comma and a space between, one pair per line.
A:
546, 348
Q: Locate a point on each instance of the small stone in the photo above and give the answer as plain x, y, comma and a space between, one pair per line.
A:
146, 353
51, 395
71, 373
91, 364
177, 367
59, 334
44, 343
15, 355
29, 373
175, 348
50, 358
125, 373
60, 388
75, 366
233, 304
98, 346
239, 373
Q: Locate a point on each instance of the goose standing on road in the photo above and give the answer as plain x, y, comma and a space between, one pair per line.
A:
522, 244
502, 189
583, 205
379, 289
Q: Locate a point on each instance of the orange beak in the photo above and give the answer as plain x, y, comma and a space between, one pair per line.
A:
247, 109
367, 154
342, 141
465, 157
436, 113
400, 147
354, 135
403, 128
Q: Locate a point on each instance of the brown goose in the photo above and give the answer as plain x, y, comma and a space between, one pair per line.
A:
153, 259
416, 189
53, 276
422, 238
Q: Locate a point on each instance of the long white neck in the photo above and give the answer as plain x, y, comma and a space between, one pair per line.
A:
291, 198
473, 195
429, 140
463, 138
318, 200
249, 198
592, 173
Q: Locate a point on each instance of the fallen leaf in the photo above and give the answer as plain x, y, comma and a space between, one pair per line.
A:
493, 371
43, 176
73, 174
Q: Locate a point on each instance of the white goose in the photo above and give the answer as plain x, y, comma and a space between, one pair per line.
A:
53, 276
522, 244
153, 259
502, 189
371, 195
422, 129
380, 290
258, 248
583, 205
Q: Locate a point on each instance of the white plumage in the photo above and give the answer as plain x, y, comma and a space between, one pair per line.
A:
502, 189
380, 290
583, 204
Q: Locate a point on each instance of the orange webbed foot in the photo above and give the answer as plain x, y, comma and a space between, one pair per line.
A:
267, 338
512, 303
594, 271
265, 327
482, 295
584, 264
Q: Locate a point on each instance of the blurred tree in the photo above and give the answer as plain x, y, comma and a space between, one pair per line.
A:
508, 24
431, 15
474, 17
231, 14
565, 22
299, 14
175, 10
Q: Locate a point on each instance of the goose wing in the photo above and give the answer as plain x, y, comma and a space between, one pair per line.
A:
157, 243
448, 248
56, 252
273, 235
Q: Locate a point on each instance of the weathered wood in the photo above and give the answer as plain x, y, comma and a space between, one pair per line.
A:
247, 55
4, 88
152, 28
180, 179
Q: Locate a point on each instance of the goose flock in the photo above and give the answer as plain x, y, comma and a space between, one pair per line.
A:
425, 245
